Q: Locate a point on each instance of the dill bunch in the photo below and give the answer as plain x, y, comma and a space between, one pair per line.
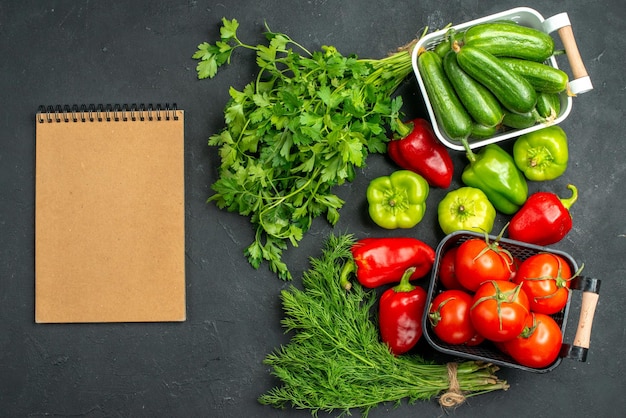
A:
335, 360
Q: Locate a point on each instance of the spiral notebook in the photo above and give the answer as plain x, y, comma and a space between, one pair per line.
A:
109, 214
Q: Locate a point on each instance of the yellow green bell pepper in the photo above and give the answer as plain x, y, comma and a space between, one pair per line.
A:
542, 155
466, 209
397, 200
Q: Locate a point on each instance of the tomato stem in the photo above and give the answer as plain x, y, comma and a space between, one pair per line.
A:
499, 297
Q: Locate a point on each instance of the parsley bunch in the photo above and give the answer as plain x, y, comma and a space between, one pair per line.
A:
302, 126
336, 360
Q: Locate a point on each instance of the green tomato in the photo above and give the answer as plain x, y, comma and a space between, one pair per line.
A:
466, 209
398, 200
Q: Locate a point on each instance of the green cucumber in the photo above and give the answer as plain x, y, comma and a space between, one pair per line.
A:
503, 39
542, 77
445, 46
513, 91
479, 102
548, 105
547, 110
480, 131
520, 120
452, 117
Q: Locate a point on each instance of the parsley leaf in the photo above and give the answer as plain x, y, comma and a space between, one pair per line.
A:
229, 28
303, 126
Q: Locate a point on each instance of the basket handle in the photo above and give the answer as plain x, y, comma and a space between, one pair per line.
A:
591, 289
561, 23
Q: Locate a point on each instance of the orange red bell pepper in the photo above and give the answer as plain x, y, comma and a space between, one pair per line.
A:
379, 261
421, 152
544, 219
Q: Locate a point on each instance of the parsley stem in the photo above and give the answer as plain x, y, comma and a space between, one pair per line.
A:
281, 199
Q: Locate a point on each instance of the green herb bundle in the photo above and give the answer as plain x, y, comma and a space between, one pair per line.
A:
335, 360
302, 126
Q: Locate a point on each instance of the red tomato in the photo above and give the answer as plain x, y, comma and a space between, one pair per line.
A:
447, 277
499, 310
449, 315
539, 343
545, 279
475, 340
478, 261
502, 347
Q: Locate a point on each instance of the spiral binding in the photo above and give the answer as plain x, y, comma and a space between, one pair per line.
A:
100, 113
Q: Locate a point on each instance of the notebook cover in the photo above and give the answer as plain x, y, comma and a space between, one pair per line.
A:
109, 220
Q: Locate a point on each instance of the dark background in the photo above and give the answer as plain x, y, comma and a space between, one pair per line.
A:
66, 52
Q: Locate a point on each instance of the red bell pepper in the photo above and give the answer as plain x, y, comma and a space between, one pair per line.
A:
400, 315
544, 219
379, 261
421, 152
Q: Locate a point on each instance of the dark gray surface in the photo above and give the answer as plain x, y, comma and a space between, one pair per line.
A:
65, 52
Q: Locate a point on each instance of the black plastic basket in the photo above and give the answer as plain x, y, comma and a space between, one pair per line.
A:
487, 351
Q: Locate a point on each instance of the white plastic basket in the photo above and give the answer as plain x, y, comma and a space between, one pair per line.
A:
579, 83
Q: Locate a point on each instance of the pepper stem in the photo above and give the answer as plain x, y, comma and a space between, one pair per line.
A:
405, 284
404, 129
348, 268
567, 203
471, 156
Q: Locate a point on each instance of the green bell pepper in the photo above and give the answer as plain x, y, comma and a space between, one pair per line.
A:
493, 171
543, 154
466, 209
397, 200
